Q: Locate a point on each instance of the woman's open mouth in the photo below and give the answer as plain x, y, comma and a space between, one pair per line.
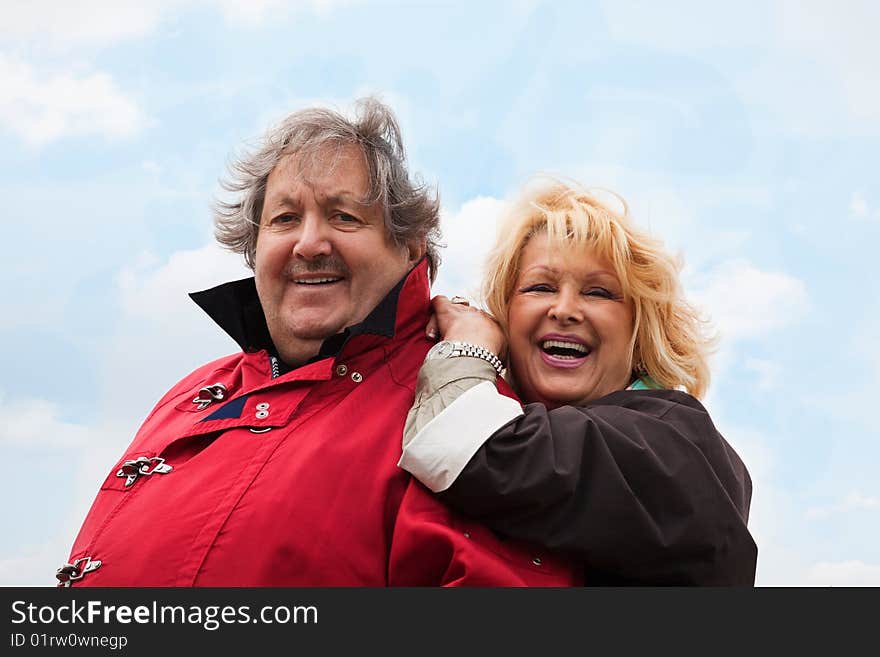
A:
563, 353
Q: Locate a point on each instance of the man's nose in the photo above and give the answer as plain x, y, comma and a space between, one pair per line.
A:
312, 240
567, 307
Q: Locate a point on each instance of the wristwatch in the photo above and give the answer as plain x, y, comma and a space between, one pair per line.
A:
450, 349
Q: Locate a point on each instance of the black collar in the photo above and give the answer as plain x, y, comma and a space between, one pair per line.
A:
236, 308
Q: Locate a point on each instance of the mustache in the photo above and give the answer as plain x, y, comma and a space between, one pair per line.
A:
321, 264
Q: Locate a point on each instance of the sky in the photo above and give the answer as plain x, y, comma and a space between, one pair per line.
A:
745, 135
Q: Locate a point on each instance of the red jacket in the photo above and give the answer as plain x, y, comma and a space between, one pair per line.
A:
291, 480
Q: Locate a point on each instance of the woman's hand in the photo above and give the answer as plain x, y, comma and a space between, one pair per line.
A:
459, 321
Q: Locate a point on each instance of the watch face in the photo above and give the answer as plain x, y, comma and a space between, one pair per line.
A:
441, 349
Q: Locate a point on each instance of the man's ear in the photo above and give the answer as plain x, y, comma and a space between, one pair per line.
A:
416, 250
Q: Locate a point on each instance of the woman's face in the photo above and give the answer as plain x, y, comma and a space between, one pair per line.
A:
569, 327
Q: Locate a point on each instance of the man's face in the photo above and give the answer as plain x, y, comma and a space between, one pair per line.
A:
323, 260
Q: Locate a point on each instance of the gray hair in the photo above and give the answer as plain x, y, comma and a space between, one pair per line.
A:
411, 208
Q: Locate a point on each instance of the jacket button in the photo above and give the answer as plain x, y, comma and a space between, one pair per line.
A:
356, 377
341, 370
263, 406
262, 415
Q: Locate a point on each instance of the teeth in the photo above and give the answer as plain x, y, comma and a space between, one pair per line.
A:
576, 346
318, 281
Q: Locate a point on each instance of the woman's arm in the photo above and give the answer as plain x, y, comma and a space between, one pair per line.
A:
639, 485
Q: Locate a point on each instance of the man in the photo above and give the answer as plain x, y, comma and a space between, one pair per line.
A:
276, 466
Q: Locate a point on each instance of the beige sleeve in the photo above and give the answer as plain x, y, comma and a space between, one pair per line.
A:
440, 383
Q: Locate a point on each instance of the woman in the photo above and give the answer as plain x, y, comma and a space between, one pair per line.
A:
612, 460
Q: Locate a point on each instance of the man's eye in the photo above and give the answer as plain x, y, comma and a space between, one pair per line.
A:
282, 219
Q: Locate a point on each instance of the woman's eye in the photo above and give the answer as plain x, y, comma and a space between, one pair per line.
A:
346, 218
600, 292
539, 287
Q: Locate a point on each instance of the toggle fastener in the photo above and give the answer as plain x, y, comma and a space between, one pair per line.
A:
209, 394
70, 572
142, 465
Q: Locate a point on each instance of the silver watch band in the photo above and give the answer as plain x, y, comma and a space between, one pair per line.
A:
476, 351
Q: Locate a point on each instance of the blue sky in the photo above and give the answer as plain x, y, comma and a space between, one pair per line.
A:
746, 136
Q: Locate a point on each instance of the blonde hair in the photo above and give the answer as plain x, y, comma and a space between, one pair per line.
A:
670, 340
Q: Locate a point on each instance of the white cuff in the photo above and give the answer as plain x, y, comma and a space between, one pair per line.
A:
441, 450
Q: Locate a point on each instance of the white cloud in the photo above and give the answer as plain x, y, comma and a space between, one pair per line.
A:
468, 234
860, 209
866, 349
746, 302
100, 23
852, 402
41, 107
50, 25
90, 23
88, 452
742, 302
678, 212
99, 447
855, 501
255, 12
34, 424
35, 565
779, 562
808, 65
46, 96
858, 206
251, 13
767, 371
152, 167
844, 573
662, 26
162, 335
156, 292
678, 218
842, 40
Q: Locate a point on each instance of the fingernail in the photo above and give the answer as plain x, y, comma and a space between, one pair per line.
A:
432, 334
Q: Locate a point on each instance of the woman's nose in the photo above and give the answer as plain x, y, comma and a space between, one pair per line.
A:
566, 307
